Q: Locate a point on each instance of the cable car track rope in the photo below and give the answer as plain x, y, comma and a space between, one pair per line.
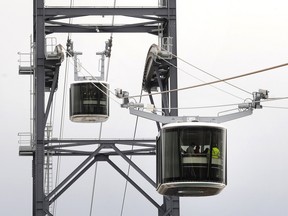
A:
227, 105
94, 177
58, 163
129, 166
204, 81
195, 86
214, 82
275, 107
191, 87
100, 132
209, 73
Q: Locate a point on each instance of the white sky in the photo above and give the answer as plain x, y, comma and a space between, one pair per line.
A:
225, 38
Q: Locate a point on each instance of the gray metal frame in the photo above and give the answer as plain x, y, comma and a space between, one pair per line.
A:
48, 20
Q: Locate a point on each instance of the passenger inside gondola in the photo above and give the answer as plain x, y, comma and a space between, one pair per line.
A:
197, 149
192, 149
191, 159
215, 151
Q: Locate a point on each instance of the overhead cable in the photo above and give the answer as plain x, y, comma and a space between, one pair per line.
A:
275, 98
111, 38
275, 107
62, 118
200, 107
216, 81
58, 168
94, 177
227, 105
129, 166
209, 74
101, 125
200, 79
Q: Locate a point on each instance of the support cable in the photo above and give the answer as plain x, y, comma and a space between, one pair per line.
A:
61, 131
62, 117
129, 166
134, 135
214, 82
94, 177
209, 74
275, 107
274, 99
200, 79
226, 105
200, 107
101, 125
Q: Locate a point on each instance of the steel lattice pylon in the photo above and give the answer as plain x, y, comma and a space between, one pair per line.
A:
49, 20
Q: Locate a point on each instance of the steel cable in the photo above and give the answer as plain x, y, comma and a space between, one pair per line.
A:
214, 82
210, 74
100, 132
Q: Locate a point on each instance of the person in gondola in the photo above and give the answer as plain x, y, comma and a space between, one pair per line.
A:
191, 149
215, 152
197, 149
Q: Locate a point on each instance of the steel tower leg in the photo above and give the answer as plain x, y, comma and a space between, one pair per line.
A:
172, 32
39, 204
172, 204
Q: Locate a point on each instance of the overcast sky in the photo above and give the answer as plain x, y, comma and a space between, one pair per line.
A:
224, 38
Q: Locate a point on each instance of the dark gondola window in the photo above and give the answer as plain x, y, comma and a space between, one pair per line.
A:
89, 100
171, 156
191, 159
193, 154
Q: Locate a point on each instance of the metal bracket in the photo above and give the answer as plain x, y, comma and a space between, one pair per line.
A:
244, 109
77, 65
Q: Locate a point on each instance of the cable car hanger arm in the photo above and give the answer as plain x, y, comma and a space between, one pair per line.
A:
172, 119
244, 109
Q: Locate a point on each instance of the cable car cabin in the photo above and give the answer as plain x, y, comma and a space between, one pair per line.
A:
89, 101
191, 159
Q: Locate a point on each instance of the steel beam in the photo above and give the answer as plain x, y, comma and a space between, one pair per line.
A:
51, 12
51, 96
171, 31
160, 209
101, 29
134, 166
71, 182
69, 177
39, 204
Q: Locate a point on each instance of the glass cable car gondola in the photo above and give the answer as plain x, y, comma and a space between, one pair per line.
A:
89, 95
89, 101
191, 159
